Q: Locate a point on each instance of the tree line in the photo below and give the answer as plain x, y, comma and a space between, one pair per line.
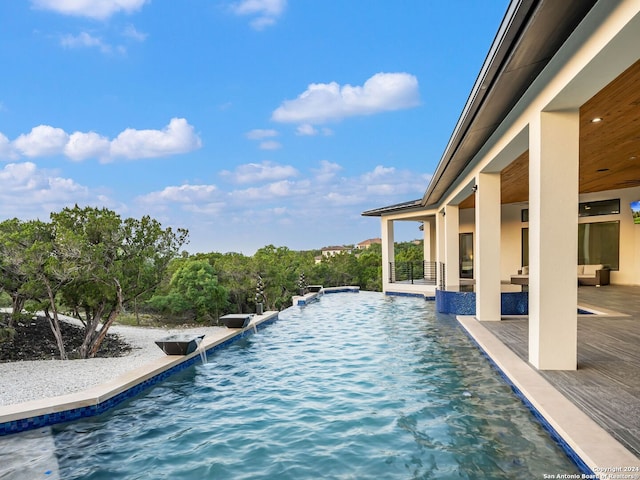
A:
94, 265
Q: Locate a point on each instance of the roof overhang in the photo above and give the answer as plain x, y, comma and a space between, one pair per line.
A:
531, 33
398, 207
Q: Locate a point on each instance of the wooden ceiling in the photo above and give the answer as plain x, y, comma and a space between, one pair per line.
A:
609, 149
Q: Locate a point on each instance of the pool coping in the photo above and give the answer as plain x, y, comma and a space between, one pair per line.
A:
310, 297
588, 444
34, 414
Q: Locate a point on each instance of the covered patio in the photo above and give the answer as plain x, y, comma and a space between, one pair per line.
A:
542, 171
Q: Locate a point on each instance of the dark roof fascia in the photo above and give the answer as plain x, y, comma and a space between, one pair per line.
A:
530, 29
516, 14
397, 208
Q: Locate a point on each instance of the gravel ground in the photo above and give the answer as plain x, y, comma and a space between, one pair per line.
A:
31, 380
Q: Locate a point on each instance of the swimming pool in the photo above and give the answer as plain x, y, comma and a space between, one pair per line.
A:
353, 386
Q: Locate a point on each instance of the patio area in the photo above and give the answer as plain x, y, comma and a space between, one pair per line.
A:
606, 385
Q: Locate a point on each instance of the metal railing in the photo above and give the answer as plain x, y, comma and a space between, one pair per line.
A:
420, 272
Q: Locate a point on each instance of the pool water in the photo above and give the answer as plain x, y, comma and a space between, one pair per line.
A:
355, 386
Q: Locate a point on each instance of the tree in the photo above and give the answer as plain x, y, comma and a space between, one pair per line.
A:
194, 288
409, 251
236, 273
12, 277
280, 268
337, 270
115, 262
370, 266
35, 270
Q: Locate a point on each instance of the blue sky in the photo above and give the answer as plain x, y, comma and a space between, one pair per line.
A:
249, 122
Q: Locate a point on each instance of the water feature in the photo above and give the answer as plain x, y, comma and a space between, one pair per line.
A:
202, 350
354, 386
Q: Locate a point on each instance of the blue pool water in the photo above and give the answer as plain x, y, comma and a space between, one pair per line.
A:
355, 386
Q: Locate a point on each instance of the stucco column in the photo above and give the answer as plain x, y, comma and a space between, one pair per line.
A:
487, 246
452, 245
553, 240
440, 257
388, 253
429, 244
426, 240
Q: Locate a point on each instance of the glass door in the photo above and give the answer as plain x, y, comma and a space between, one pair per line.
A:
466, 255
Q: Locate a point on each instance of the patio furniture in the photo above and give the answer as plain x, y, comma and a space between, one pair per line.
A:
593, 275
587, 275
522, 278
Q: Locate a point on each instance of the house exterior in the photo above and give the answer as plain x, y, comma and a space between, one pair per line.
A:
541, 170
334, 250
367, 243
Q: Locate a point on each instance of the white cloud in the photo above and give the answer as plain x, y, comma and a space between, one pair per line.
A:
306, 130
82, 146
202, 200
208, 209
336, 198
17, 173
181, 194
270, 145
85, 40
322, 202
382, 189
177, 137
283, 188
26, 191
43, 140
264, 12
97, 9
6, 149
260, 172
131, 32
259, 134
327, 171
323, 102
388, 182
378, 172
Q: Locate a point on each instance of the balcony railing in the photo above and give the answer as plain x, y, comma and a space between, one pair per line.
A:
418, 272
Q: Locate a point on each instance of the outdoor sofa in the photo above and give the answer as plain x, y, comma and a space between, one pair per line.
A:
593, 275
587, 275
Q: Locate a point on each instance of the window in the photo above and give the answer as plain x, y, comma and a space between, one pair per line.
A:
602, 207
599, 243
525, 247
466, 255
587, 209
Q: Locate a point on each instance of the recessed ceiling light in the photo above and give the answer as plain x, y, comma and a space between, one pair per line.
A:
596, 120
